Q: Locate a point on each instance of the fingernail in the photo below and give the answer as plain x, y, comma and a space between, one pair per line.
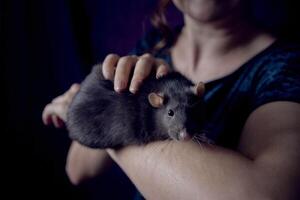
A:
117, 89
135, 86
132, 90
158, 76
119, 86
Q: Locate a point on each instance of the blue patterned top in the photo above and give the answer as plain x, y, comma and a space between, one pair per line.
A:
271, 75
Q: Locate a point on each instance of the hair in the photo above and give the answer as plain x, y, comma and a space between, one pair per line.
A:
159, 21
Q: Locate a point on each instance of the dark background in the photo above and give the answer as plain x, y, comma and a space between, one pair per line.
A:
46, 45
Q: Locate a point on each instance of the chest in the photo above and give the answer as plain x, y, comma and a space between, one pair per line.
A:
207, 68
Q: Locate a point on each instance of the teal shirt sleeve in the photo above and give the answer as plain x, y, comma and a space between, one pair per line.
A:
279, 80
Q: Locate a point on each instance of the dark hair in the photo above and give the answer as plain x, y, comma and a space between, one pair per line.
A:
159, 21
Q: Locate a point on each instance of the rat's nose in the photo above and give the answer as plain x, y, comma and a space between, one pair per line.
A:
184, 135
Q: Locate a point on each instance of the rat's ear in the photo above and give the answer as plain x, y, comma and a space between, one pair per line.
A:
199, 89
155, 100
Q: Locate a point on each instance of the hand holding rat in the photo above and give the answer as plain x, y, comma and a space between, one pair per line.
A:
119, 70
55, 112
114, 68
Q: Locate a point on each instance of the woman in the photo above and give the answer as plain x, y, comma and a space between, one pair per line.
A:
252, 82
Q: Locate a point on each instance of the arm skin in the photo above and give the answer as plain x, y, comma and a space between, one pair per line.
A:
84, 163
266, 166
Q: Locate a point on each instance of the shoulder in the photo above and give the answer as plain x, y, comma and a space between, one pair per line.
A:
278, 76
282, 55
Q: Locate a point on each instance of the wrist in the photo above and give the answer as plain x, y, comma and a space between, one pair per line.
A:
112, 153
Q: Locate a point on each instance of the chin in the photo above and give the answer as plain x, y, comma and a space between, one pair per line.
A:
207, 10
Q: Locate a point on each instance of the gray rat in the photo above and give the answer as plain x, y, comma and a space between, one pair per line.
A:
166, 108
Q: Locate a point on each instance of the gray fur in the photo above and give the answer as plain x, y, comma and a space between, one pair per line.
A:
99, 117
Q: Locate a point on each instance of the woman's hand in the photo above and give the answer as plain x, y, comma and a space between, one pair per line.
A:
119, 69
56, 112
114, 68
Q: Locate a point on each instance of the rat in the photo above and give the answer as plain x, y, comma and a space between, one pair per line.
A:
169, 107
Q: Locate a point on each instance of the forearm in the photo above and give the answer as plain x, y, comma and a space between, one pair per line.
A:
84, 163
185, 170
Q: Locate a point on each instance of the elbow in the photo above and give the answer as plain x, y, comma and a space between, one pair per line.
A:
74, 170
75, 177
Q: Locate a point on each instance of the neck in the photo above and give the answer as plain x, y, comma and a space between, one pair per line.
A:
204, 46
218, 38
220, 35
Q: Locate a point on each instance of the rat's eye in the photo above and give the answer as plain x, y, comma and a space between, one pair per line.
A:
171, 113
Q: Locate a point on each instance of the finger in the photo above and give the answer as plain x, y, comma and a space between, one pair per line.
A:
48, 120
59, 99
142, 70
109, 66
162, 68
57, 109
61, 123
74, 88
46, 115
68, 96
57, 122
122, 73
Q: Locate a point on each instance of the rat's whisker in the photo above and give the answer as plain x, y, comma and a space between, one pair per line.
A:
197, 141
203, 138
